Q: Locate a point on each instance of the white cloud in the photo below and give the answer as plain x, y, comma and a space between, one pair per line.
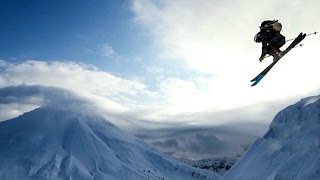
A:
127, 103
172, 97
182, 96
3, 63
69, 75
11, 110
108, 51
200, 33
215, 36
108, 90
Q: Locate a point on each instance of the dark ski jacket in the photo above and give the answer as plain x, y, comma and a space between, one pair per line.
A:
270, 36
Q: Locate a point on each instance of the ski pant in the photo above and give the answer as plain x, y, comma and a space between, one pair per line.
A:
276, 42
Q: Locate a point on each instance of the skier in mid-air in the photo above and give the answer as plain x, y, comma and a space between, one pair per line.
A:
270, 38
272, 41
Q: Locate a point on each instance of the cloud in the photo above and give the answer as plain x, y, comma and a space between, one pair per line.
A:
15, 100
178, 93
129, 103
19, 94
213, 144
167, 144
201, 142
217, 36
69, 75
108, 51
201, 34
114, 93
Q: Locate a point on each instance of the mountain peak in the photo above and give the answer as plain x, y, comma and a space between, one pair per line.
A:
74, 143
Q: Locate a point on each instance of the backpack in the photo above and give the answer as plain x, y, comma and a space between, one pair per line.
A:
269, 26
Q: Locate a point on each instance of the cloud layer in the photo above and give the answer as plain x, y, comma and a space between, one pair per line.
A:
174, 101
202, 142
132, 105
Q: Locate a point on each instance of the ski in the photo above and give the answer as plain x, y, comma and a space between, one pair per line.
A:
260, 76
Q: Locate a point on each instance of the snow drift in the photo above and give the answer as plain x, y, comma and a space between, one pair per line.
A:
72, 143
289, 150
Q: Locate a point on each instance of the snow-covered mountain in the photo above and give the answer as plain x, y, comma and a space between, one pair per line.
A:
72, 143
290, 150
218, 165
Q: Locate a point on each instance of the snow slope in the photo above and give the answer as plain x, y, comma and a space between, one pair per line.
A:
72, 143
290, 150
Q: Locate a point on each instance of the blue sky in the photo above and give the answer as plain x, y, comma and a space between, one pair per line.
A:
70, 30
167, 62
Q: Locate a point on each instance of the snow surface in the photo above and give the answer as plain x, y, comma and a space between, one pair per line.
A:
290, 150
72, 143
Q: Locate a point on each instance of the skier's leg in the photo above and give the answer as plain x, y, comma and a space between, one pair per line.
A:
278, 41
272, 50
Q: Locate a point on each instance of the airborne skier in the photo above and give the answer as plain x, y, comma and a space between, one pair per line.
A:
272, 41
270, 38
277, 57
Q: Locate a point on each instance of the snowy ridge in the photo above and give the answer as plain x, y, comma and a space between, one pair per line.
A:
71, 143
289, 150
